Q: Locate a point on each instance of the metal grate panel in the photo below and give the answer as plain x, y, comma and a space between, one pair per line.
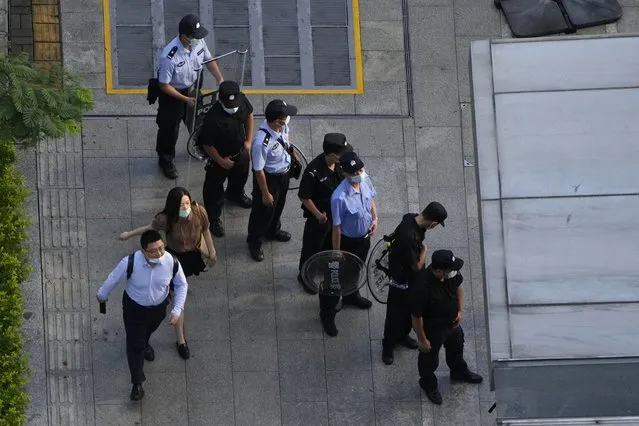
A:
283, 71
135, 59
291, 43
331, 57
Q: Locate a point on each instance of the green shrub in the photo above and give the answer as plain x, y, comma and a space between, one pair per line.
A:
14, 269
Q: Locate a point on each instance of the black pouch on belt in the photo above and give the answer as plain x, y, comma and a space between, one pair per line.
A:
153, 90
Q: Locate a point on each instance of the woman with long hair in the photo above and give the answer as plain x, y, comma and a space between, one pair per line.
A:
186, 226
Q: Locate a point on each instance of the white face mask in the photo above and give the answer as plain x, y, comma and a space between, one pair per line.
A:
358, 178
451, 274
288, 120
154, 260
185, 213
193, 42
231, 110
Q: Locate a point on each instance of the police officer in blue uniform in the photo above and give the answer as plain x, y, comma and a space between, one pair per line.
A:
354, 215
180, 61
322, 175
271, 161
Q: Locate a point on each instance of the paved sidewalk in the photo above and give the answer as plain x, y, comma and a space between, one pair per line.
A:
259, 356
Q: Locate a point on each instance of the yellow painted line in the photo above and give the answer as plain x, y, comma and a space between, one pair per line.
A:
359, 66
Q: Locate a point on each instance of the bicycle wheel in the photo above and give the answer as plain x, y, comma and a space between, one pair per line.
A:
295, 183
376, 270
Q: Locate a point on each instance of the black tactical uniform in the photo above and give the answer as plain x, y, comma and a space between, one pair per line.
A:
317, 185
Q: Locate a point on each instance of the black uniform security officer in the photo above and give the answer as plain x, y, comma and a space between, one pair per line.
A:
271, 163
437, 303
180, 61
407, 255
321, 177
354, 219
226, 137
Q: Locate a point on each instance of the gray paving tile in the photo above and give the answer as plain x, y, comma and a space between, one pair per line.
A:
82, 26
105, 137
165, 399
296, 311
327, 104
382, 98
350, 350
463, 66
436, 97
381, 10
350, 398
384, 66
104, 248
118, 415
477, 18
210, 362
254, 354
396, 382
302, 371
439, 156
629, 21
382, 35
257, 398
398, 412
369, 137
437, 20
468, 132
456, 396
107, 194
389, 178
83, 57
211, 413
67, 6
145, 174
305, 413
141, 135
111, 379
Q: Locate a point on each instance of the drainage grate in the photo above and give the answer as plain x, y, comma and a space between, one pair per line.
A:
293, 44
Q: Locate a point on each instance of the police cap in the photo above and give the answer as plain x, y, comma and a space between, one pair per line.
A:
350, 162
190, 26
335, 143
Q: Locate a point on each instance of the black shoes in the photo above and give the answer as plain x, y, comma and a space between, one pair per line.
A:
243, 201
149, 353
137, 393
358, 301
216, 227
304, 286
328, 323
409, 343
168, 169
256, 253
387, 355
467, 377
183, 350
434, 396
280, 235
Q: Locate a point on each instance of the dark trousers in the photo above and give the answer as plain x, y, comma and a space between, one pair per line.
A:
317, 238
216, 175
427, 363
171, 112
359, 247
139, 323
398, 323
265, 221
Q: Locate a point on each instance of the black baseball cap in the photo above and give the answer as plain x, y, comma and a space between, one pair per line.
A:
446, 260
335, 143
190, 26
229, 93
277, 108
350, 162
435, 212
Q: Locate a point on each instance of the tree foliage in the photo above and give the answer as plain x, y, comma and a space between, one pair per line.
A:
37, 104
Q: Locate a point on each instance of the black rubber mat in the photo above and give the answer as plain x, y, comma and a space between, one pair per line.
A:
536, 18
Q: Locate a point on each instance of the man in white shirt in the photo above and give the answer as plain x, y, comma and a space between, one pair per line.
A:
145, 300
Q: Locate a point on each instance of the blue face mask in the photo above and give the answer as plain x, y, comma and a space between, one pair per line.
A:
153, 260
193, 42
185, 213
358, 178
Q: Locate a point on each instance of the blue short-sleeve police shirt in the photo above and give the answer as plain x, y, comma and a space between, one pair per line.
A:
351, 209
268, 154
179, 66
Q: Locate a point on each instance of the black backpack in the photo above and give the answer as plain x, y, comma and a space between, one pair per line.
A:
129, 266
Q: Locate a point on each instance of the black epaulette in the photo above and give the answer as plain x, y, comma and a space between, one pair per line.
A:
267, 138
172, 52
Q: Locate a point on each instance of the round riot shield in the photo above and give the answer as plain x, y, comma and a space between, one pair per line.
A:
205, 103
377, 271
302, 163
334, 273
